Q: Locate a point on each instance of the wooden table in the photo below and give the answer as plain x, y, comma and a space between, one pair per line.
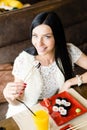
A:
82, 90
23, 121
9, 124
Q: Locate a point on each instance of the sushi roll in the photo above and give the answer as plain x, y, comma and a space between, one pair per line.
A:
55, 108
61, 107
63, 112
58, 100
66, 103
63, 101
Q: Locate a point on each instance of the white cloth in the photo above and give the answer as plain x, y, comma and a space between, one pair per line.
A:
41, 82
74, 52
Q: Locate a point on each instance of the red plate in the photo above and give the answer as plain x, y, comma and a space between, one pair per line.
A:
60, 120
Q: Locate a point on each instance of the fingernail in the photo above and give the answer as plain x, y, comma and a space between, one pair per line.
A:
20, 93
25, 84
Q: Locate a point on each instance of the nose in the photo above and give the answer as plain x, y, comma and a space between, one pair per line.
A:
40, 41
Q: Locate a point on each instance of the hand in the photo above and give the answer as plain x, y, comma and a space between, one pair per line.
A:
65, 86
13, 90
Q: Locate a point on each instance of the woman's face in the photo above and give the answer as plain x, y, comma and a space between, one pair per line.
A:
43, 40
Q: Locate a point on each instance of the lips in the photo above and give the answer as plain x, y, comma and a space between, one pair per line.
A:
40, 50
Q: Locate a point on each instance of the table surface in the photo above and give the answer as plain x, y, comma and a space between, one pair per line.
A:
13, 122
82, 90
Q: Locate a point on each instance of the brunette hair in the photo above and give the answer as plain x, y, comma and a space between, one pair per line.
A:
52, 19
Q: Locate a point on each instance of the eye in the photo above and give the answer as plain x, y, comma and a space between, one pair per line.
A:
34, 36
48, 36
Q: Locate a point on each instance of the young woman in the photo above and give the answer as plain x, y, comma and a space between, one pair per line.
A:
47, 68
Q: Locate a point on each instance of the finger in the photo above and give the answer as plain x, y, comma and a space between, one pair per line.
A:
21, 84
15, 88
13, 97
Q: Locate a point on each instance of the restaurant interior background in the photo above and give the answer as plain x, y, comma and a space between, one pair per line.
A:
14, 33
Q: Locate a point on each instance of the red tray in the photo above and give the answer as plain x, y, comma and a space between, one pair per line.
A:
60, 120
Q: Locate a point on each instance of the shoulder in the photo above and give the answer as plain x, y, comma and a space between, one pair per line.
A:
74, 52
71, 46
22, 64
24, 57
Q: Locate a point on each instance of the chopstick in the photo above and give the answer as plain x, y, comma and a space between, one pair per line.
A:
33, 69
80, 125
26, 106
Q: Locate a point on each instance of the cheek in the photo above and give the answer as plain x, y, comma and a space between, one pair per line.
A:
52, 44
33, 42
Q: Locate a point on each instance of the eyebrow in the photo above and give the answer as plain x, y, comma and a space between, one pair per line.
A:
48, 34
43, 34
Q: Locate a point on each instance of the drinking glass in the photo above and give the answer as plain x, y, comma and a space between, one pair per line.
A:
41, 120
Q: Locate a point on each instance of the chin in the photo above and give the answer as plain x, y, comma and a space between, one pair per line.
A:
41, 52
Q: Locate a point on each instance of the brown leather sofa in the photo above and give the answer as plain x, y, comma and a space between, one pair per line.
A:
14, 33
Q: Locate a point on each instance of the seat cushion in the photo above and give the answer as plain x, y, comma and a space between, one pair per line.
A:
5, 77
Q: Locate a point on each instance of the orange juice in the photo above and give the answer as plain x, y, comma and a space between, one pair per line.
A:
41, 120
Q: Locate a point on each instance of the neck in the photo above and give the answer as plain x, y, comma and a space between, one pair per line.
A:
45, 60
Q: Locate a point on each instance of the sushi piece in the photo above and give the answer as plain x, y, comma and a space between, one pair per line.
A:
58, 100
63, 112
66, 103
64, 100
55, 108
61, 107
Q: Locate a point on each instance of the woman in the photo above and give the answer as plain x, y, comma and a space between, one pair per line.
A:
49, 69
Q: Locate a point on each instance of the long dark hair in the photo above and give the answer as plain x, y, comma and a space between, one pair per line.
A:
51, 19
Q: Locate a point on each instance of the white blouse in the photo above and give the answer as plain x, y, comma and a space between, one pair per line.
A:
51, 82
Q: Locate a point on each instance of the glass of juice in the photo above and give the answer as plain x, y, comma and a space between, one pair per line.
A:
41, 120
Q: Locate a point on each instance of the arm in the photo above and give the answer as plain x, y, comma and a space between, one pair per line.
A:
16, 89
82, 62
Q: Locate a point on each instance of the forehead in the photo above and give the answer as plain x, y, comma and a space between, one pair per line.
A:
42, 29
